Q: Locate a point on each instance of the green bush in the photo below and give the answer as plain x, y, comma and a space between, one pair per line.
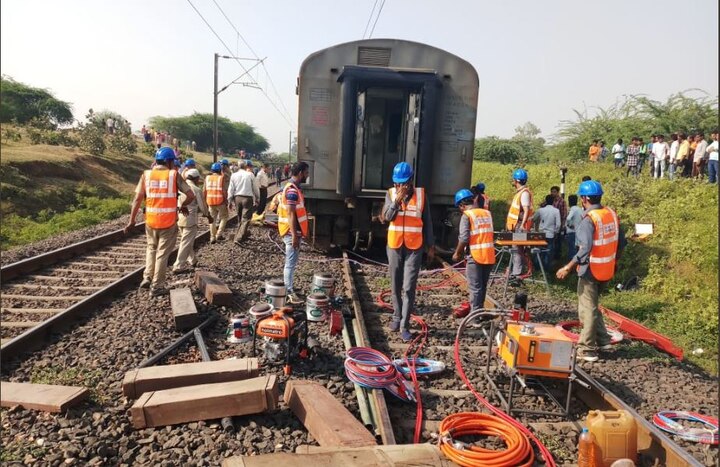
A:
92, 139
123, 144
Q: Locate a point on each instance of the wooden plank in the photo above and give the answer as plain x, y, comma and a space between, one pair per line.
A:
44, 298
404, 455
104, 265
376, 396
213, 288
53, 287
40, 311
113, 258
205, 401
156, 378
45, 397
20, 324
85, 271
55, 278
184, 310
327, 420
127, 248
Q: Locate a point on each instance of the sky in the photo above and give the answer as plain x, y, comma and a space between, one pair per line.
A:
537, 60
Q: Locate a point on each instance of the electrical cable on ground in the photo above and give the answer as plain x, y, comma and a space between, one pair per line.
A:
370, 368
411, 358
665, 420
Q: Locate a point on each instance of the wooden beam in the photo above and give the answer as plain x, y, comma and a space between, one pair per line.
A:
45, 298
205, 401
213, 288
104, 265
156, 378
85, 271
404, 455
183, 308
20, 324
53, 287
61, 279
45, 397
113, 258
327, 420
40, 311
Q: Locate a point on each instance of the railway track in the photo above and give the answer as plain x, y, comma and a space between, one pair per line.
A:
445, 394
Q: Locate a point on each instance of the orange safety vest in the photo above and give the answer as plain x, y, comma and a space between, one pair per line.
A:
214, 189
605, 243
516, 209
284, 214
482, 248
160, 198
407, 226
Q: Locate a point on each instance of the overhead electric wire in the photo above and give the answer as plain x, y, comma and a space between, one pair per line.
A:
284, 116
377, 18
267, 73
367, 25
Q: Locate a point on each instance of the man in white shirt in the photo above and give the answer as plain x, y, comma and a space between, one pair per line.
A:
674, 146
263, 181
618, 151
244, 192
572, 221
699, 155
660, 152
547, 218
712, 152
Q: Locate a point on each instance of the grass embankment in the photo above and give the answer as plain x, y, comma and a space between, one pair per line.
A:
677, 266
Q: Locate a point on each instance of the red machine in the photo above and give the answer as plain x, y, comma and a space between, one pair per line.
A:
283, 333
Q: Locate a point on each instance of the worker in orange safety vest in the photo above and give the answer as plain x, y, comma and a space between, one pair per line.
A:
408, 211
600, 241
293, 225
519, 218
159, 188
476, 232
215, 192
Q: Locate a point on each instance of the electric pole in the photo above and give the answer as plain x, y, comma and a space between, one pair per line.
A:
215, 112
290, 148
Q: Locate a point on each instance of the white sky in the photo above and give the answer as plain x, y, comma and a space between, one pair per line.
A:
537, 60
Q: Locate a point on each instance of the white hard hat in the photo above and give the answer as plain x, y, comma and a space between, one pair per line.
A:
192, 173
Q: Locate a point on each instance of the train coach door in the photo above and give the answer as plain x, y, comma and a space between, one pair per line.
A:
412, 124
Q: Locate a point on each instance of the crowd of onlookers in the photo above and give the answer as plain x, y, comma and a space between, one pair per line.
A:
685, 155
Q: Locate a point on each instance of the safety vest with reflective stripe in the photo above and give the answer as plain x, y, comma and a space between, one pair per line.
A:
407, 226
160, 198
605, 243
515, 211
214, 189
482, 248
284, 213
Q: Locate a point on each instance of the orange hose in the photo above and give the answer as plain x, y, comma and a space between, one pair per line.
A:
518, 451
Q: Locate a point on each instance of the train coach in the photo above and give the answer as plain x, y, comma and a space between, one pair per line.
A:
365, 106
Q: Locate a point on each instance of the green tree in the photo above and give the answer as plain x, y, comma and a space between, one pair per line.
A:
525, 147
198, 127
23, 104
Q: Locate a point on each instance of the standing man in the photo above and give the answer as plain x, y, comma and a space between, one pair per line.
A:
189, 164
479, 192
263, 182
618, 152
699, 156
159, 188
660, 151
226, 169
408, 211
594, 151
278, 175
245, 194
561, 205
547, 218
215, 193
683, 155
712, 152
293, 225
188, 223
520, 215
476, 231
573, 221
674, 147
642, 155
600, 242
110, 123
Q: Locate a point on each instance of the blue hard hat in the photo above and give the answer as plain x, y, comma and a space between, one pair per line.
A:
520, 174
225, 162
590, 188
462, 195
190, 163
165, 154
216, 167
402, 172
177, 163
480, 187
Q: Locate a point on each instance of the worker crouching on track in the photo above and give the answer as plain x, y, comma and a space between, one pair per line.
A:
159, 188
216, 196
600, 241
188, 225
408, 211
476, 231
519, 218
292, 225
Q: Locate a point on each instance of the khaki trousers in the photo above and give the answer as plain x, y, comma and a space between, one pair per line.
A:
593, 334
186, 251
245, 211
218, 212
160, 243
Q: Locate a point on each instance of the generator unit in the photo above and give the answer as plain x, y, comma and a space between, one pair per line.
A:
536, 349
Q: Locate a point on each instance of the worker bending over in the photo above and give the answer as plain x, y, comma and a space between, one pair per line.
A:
519, 218
216, 196
408, 211
159, 188
188, 223
600, 241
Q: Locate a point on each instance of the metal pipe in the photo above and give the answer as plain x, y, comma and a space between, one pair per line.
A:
359, 391
226, 422
178, 342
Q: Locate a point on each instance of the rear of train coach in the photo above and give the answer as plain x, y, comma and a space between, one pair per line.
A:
366, 105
